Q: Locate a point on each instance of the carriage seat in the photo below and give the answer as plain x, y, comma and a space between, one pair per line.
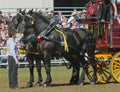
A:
90, 20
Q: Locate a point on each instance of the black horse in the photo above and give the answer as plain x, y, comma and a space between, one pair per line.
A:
58, 43
30, 45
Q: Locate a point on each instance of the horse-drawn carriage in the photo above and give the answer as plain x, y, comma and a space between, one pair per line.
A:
49, 41
107, 53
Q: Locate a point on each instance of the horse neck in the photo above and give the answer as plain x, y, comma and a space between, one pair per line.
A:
41, 23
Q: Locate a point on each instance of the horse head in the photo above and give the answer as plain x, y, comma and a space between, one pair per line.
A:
33, 20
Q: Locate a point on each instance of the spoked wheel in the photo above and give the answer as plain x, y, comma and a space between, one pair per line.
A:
115, 67
103, 73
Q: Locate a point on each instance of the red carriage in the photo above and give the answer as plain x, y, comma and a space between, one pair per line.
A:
107, 36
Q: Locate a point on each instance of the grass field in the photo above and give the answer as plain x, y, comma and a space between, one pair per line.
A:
60, 83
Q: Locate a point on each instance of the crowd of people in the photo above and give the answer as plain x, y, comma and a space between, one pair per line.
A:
62, 22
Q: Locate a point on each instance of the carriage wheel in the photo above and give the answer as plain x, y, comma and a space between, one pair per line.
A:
103, 73
115, 67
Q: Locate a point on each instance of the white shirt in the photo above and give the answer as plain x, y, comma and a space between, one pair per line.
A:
12, 48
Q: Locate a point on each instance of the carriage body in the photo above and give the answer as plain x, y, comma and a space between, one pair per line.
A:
107, 53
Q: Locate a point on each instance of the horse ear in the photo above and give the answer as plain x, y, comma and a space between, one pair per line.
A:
30, 11
36, 10
23, 12
19, 10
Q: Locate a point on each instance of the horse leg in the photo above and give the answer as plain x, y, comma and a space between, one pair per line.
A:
38, 66
94, 79
93, 63
31, 69
83, 73
75, 73
48, 70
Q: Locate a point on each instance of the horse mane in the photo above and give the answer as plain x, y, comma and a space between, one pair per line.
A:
43, 18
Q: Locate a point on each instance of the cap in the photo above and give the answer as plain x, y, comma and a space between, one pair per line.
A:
74, 13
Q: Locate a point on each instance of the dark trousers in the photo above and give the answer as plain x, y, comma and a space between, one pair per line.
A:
12, 72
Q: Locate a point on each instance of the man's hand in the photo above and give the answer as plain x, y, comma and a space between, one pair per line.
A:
17, 62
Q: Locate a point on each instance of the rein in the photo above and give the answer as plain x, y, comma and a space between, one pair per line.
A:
28, 52
20, 51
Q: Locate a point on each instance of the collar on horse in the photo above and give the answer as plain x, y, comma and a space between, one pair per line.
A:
47, 31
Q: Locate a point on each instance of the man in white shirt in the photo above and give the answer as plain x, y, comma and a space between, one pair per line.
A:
12, 60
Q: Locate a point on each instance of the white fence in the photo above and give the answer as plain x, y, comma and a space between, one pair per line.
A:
66, 10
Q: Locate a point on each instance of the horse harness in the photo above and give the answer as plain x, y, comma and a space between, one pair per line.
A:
44, 36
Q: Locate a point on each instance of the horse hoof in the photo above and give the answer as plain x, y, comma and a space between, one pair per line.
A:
92, 83
37, 84
73, 83
46, 84
82, 83
29, 85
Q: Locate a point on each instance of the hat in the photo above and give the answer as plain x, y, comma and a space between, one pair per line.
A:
83, 10
74, 13
52, 11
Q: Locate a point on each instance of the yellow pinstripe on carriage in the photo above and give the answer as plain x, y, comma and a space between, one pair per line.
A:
65, 41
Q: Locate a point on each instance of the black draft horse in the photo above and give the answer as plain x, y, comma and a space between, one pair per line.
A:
30, 46
54, 44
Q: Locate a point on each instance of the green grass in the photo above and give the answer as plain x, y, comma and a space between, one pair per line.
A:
60, 82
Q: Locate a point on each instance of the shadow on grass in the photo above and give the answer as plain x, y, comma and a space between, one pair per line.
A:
68, 84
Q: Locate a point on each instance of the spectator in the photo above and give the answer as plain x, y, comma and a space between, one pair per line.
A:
8, 18
74, 25
64, 23
60, 18
2, 19
72, 18
4, 34
1, 41
82, 14
52, 17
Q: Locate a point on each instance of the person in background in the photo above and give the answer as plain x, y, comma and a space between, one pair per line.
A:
52, 16
13, 59
72, 18
60, 18
74, 25
2, 18
64, 23
4, 34
8, 18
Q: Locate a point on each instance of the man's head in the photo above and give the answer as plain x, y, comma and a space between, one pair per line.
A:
12, 33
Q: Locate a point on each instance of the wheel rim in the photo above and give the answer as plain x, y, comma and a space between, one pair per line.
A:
115, 67
103, 73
